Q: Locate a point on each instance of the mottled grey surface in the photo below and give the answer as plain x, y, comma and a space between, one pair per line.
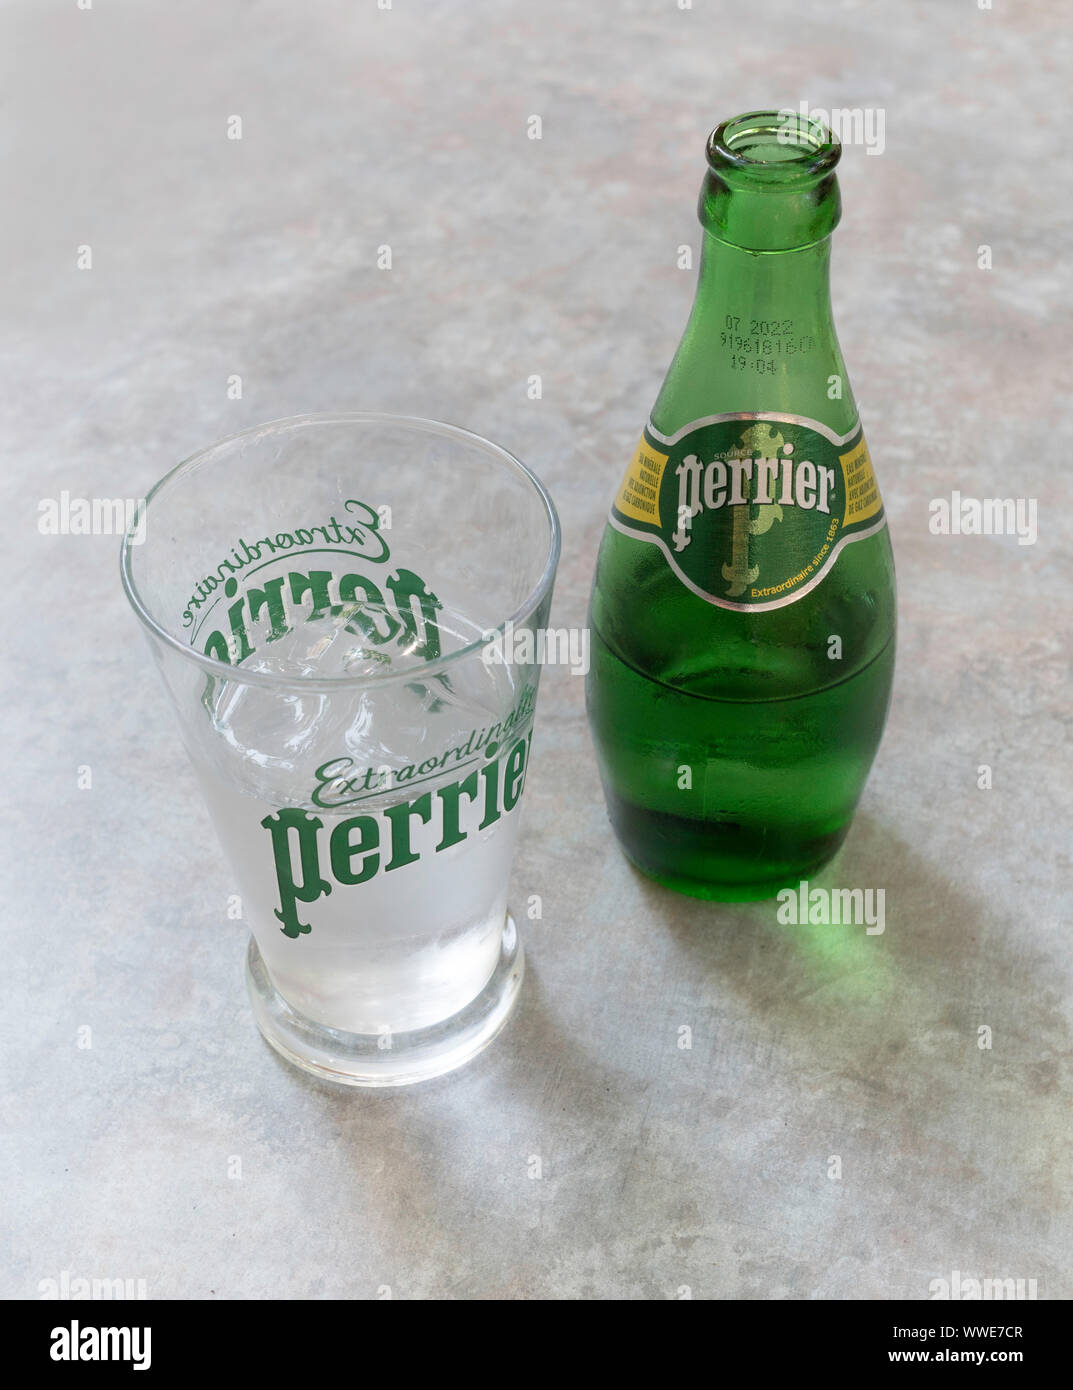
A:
662, 1168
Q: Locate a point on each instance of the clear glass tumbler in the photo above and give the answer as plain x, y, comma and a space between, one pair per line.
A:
339, 607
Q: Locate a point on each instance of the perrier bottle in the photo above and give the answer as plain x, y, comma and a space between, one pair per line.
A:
743, 611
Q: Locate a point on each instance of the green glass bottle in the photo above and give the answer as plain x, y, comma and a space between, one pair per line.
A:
743, 609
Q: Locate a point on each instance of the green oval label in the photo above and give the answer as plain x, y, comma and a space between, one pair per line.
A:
750, 511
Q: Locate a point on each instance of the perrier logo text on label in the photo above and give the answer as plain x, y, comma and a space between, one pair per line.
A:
751, 511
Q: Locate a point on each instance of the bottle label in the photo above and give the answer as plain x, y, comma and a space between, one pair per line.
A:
750, 510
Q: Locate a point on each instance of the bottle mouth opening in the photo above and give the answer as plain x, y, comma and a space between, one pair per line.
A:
775, 147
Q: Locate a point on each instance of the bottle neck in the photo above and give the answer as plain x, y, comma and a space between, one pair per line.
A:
761, 337
765, 192
768, 304
769, 284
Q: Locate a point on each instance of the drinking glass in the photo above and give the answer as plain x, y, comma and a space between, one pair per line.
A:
344, 610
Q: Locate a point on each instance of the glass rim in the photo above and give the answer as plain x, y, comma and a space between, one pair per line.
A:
225, 671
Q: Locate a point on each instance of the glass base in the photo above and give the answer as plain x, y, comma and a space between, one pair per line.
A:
365, 1059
